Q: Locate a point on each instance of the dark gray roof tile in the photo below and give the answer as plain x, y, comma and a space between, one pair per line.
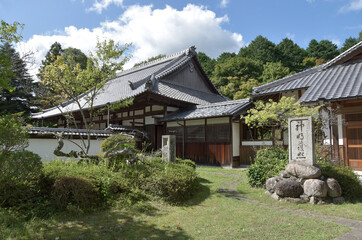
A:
133, 82
67, 131
227, 108
307, 78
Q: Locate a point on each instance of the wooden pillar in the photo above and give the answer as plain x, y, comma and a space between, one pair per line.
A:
335, 148
345, 149
231, 142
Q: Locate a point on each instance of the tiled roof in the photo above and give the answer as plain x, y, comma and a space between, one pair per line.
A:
338, 82
147, 77
67, 131
227, 108
187, 94
296, 81
337, 79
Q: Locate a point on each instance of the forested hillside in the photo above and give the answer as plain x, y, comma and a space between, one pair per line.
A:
263, 61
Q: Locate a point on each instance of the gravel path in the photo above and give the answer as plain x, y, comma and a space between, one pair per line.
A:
228, 188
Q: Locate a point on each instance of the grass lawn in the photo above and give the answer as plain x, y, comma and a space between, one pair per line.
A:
208, 215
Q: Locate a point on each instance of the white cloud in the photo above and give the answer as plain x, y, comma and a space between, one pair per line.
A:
358, 27
99, 6
291, 36
310, 1
337, 42
355, 5
224, 3
152, 32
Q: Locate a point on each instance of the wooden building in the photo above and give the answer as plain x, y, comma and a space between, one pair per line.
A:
172, 95
337, 85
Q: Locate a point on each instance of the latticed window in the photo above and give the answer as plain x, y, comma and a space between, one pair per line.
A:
218, 133
177, 131
195, 133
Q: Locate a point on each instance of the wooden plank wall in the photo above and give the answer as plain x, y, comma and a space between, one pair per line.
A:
247, 154
206, 153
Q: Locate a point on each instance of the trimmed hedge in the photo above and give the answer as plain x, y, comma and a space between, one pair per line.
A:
75, 191
175, 183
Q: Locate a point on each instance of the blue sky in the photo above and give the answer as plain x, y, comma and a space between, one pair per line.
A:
154, 27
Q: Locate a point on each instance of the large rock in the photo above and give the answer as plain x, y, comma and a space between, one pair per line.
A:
315, 188
288, 188
303, 170
271, 182
334, 189
284, 174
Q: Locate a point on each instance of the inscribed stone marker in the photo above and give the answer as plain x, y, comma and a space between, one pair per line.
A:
169, 148
301, 140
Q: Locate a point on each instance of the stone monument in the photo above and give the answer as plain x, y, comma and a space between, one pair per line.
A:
301, 140
302, 180
169, 148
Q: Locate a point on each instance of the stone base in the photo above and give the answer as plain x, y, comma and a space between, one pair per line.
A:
313, 187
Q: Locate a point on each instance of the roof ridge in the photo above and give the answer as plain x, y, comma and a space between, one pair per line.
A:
156, 61
309, 71
288, 78
162, 71
344, 54
223, 103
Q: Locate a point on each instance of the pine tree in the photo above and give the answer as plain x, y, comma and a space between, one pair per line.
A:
21, 96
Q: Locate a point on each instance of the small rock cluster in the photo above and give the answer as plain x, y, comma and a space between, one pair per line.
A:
301, 183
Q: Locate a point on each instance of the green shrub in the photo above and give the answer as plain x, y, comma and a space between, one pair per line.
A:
123, 141
12, 135
268, 163
351, 189
19, 173
118, 148
187, 162
107, 184
75, 191
17, 167
174, 183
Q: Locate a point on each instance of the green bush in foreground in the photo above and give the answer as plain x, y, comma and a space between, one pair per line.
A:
351, 189
71, 182
17, 167
175, 183
19, 173
187, 162
76, 191
106, 184
268, 163
118, 148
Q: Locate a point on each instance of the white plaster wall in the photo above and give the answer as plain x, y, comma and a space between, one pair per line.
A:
195, 122
291, 94
45, 147
157, 108
236, 139
171, 109
218, 120
257, 143
174, 124
149, 120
